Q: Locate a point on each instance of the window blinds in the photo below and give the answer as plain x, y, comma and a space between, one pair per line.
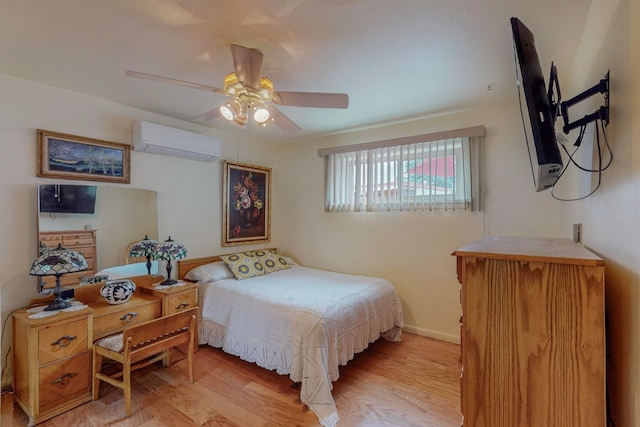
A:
436, 173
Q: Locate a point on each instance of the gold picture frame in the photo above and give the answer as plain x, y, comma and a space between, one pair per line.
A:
246, 204
61, 155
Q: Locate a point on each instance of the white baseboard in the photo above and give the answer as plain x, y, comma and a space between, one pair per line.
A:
432, 334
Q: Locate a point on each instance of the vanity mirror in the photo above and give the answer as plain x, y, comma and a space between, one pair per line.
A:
120, 216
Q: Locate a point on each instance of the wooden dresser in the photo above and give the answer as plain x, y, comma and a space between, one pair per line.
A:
52, 355
532, 333
82, 241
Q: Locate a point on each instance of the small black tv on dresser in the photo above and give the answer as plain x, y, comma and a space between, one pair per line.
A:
76, 199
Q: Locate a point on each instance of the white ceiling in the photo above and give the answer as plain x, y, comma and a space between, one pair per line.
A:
396, 59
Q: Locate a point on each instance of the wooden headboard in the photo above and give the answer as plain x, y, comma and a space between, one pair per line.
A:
184, 265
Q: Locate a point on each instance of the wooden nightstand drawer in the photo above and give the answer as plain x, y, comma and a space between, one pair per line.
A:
174, 298
181, 301
62, 340
109, 319
62, 380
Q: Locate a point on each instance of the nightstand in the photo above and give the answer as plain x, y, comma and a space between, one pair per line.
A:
174, 298
52, 362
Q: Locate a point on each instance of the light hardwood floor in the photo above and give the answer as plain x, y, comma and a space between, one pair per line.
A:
410, 383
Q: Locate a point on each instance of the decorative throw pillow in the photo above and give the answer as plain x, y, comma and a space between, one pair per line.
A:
244, 265
210, 272
273, 261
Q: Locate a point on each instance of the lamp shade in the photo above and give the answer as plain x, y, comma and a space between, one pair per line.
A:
58, 262
144, 248
168, 251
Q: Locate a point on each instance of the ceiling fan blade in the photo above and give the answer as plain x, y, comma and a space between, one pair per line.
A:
312, 99
248, 65
208, 116
282, 121
153, 77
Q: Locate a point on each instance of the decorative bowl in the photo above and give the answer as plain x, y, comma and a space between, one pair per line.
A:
117, 291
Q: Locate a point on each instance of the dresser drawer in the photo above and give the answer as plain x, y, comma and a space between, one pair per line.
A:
77, 239
130, 314
181, 301
59, 341
65, 379
51, 240
89, 252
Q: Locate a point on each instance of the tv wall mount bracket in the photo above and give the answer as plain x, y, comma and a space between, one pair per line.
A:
560, 107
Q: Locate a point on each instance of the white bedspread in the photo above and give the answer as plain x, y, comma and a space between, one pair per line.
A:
303, 322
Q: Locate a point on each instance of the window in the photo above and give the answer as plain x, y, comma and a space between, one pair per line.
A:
420, 173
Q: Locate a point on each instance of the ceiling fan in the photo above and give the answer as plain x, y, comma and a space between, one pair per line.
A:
253, 95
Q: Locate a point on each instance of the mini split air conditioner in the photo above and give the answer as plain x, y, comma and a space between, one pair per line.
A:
159, 139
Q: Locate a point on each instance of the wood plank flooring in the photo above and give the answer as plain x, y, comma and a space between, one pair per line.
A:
410, 383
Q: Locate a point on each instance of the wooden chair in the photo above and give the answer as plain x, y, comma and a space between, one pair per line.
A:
141, 345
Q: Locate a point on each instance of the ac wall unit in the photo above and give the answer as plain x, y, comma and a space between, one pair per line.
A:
159, 139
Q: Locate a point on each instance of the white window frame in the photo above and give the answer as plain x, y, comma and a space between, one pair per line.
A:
372, 168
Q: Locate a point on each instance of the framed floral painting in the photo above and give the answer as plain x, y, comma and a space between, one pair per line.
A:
246, 204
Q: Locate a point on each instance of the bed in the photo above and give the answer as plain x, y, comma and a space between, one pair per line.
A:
299, 321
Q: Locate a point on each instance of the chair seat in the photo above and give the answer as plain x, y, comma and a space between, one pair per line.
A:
116, 342
112, 342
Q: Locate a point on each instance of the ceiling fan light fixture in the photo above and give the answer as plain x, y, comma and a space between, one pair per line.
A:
232, 86
266, 122
231, 109
266, 89
251, 94
241, 120
260, 114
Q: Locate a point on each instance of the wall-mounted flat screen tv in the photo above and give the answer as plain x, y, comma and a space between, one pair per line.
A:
548, 161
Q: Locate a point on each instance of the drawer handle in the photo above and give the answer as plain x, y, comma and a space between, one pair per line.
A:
63, 341
128, 317
64, 379
182, 306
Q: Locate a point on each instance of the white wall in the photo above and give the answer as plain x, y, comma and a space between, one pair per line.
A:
189, 192
610, 217
413, 250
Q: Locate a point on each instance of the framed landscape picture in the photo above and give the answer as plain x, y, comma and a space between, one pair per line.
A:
61, 155
246, 204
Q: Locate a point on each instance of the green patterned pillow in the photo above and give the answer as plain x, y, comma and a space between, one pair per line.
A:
244, 265
273, 261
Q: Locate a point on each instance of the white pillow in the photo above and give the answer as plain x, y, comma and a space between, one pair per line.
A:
290, 261
209, 272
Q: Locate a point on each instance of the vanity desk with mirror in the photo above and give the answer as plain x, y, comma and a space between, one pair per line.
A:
52, 354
